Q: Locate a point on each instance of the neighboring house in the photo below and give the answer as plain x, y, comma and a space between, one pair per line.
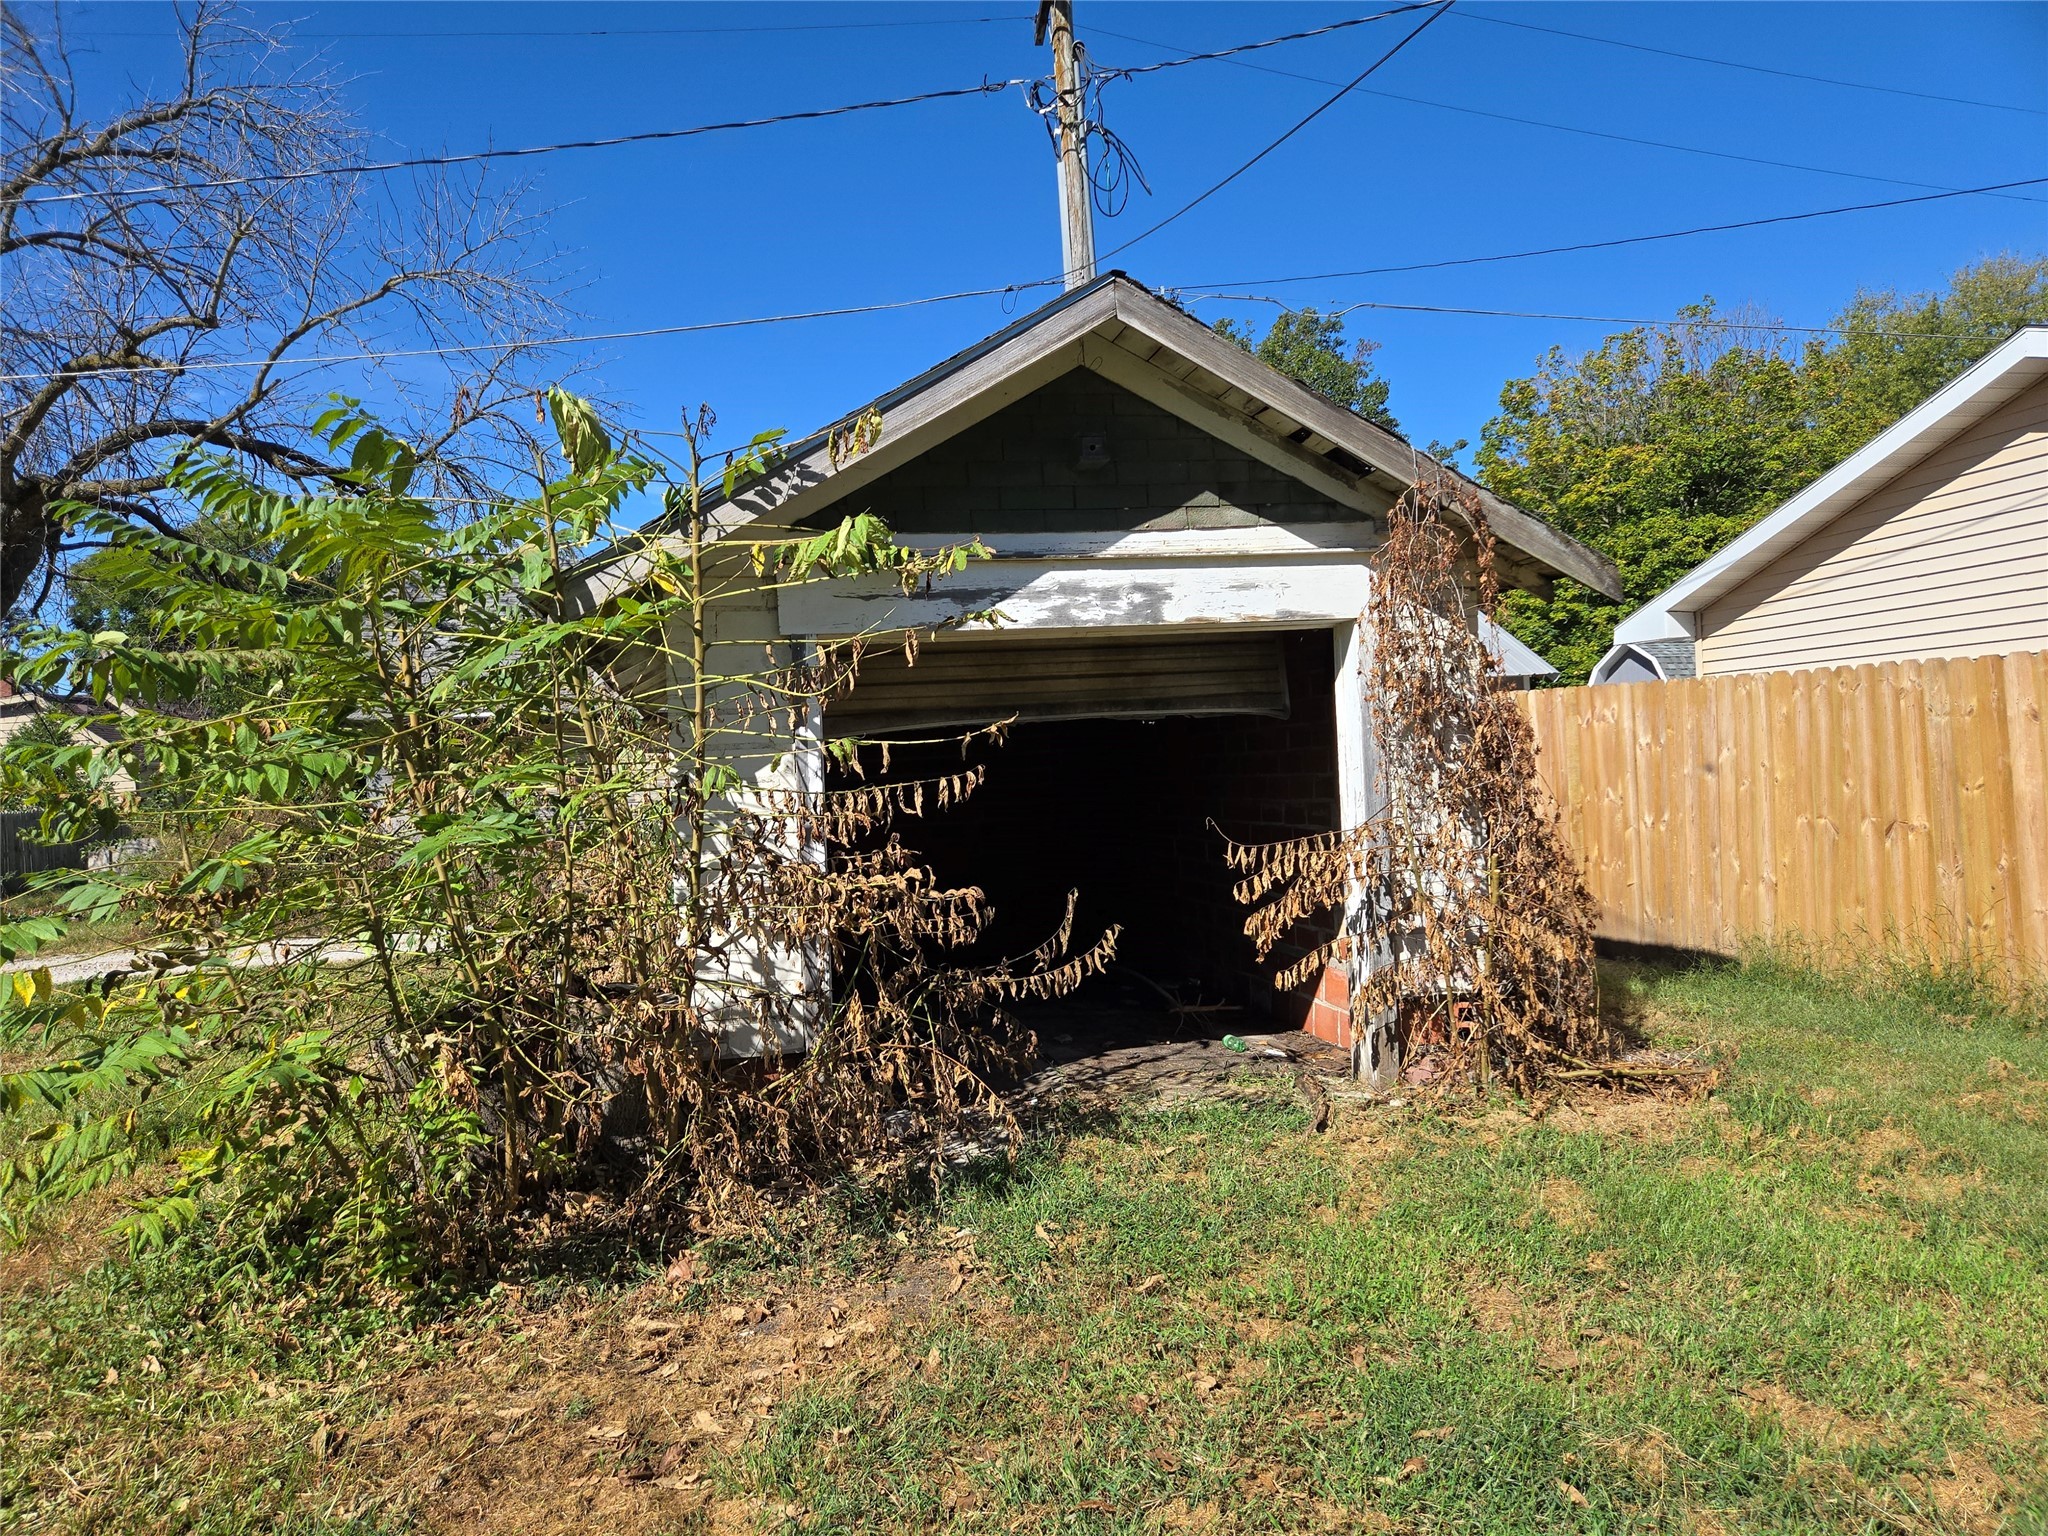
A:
1522, 667
19, 706
1181, 538
20, 852
1930, 541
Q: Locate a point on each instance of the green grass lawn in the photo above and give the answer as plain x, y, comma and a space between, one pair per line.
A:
1815, 1301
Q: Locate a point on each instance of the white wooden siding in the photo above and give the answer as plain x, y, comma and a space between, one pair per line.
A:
1949, 559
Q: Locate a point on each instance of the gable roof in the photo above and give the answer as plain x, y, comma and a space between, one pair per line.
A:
2015, 365
1516, 659
1665, 659
1135, 337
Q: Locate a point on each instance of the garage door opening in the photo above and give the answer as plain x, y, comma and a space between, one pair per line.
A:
1122, 805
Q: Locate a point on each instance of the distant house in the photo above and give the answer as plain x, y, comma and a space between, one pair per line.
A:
20, 706
20, 852
1520, 666
1930, 541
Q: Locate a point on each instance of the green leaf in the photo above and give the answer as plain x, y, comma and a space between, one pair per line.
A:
583, 439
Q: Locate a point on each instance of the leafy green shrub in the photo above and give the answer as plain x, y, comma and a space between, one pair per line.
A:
477, 880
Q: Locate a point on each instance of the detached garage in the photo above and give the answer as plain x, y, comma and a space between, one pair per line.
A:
1180, 541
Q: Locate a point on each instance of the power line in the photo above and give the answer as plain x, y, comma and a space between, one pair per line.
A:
821, 26
1527, 122
653, 135
1356, 80
1604, 245
463, 349
421, 162
1014, 288
1270, 42
1760, 69
1530, 314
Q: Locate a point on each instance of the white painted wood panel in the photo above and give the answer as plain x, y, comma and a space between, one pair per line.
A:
1100, 594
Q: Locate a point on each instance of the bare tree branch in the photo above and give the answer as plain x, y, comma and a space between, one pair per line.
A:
124, 298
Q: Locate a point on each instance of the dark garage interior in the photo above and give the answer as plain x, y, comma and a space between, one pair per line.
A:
1129, 814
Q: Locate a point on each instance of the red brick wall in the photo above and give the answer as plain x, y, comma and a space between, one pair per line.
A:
1329, 1015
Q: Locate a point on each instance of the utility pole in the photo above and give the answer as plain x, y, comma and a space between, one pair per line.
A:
1077, 214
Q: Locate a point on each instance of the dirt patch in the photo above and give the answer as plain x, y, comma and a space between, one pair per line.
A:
1966, 1493
1178, 1516
1655, 1118
60, 1253
1896, 1163
1497, 1309
1269, 1330
1646, 1457
617, 1417
2012, 1417
1567, 1204
1828, 1428
1996, 1104
1888, 1144
1939, 1188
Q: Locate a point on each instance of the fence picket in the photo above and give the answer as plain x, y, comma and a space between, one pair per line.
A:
1903, 805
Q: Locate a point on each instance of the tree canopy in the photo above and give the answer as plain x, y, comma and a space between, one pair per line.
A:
170, 262
1662, 444
1309, 348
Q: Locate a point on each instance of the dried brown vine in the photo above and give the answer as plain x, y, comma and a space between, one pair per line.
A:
1457, 907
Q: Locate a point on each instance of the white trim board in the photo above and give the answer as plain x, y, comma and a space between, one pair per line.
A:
1053, 594
1166, 543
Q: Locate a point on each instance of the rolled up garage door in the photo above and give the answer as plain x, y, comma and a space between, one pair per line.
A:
966, 680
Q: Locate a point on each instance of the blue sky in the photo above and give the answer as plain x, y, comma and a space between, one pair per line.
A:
960, 194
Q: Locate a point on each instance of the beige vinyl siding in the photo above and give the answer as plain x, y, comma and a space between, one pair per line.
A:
1949, 559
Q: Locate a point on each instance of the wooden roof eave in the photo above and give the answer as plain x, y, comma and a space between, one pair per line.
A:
1395, 465
975, 383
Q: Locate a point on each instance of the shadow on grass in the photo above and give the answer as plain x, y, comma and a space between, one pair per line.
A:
1628, 985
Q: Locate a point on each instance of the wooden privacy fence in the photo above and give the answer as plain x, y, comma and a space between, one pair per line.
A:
20, 855
1897, 807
